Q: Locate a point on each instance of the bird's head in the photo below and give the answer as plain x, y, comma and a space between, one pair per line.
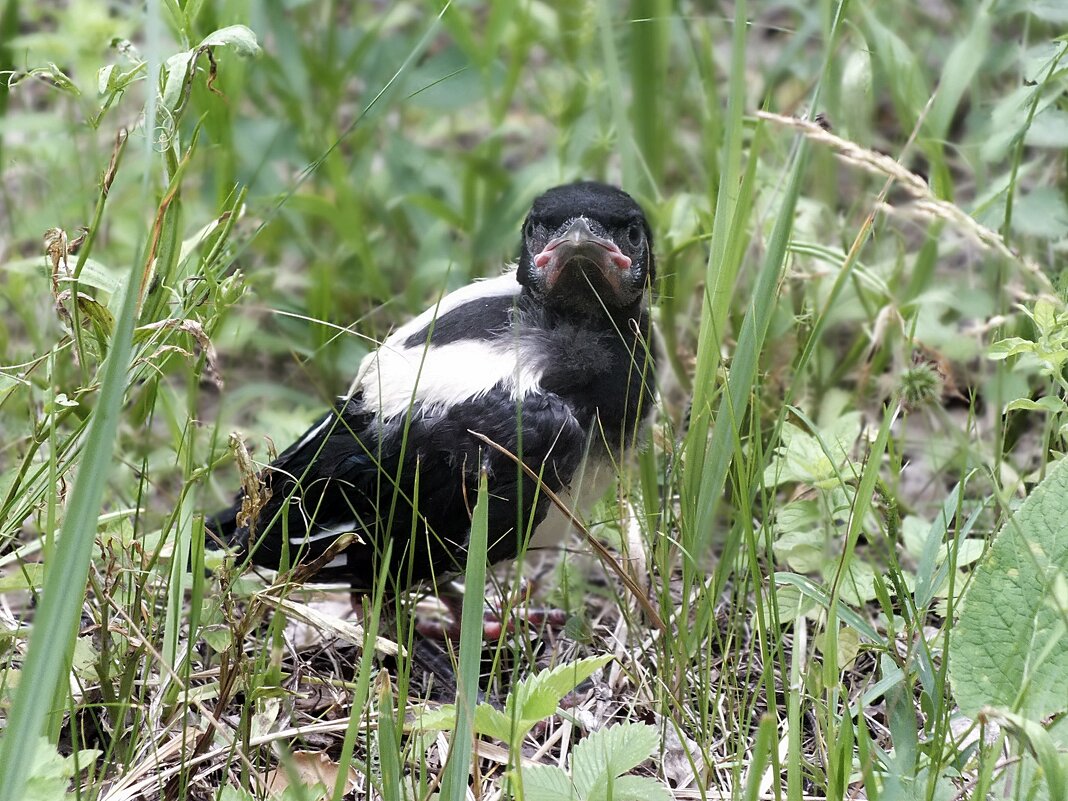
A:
587, 246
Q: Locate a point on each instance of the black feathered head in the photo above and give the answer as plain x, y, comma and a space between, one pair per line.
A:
587, 246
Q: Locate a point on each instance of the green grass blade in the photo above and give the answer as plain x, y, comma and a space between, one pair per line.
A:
47, 659
735, 402
720, 275
454, 783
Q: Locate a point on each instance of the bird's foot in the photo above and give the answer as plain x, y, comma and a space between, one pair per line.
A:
496, 622
502, 618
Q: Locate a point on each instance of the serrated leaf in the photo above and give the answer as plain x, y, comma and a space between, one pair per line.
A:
1009, 647
546, 783
1038, 59
494, 723
537, 697
1005, 122
441, 719
630, 788
531, 700
609, 753
50, 774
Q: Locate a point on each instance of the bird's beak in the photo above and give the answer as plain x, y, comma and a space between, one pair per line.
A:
579, 244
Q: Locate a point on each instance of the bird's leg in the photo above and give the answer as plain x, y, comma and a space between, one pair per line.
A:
510, 615
503, 616
445, 624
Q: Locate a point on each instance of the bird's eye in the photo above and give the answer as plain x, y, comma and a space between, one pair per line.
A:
528, 230
635, 235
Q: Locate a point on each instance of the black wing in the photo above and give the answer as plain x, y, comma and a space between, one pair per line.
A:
410, 482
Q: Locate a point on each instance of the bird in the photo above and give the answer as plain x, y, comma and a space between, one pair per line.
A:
553, 363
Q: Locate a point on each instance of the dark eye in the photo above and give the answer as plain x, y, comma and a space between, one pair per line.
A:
528, 230
635, 235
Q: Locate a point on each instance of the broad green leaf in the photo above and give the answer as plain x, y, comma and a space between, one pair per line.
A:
790, 604
100, 276
177, 69
1049, 403
50, 774
1045, 315
28, 576
968, 552
914, 532
492, 722
1010, 647
1006, 121
103, 78
1049, 10
238, 38
1010, 346
858, 583
1049, 129
231, 793
609, 753
630, 788
804, 459
800, 515
531, 700
803, 551
546, 783
441, 719
1041, 213
537, 697
93, 273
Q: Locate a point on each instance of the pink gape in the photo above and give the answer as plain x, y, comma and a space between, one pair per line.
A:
580, 235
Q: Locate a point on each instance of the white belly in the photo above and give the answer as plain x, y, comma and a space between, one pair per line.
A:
595, 477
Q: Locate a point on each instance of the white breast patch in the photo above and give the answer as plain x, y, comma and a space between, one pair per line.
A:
393, 379
594, 478
396, 377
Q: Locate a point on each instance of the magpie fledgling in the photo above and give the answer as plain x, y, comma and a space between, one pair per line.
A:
553, 361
